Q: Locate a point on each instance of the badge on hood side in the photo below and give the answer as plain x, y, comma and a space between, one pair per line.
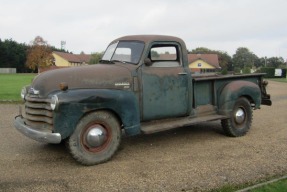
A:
125, 85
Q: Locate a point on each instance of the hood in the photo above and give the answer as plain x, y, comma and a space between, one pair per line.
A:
99, 76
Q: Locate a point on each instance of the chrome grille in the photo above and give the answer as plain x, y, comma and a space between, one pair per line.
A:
38, 113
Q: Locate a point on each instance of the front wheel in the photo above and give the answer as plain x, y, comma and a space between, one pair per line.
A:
96, 138
240, 119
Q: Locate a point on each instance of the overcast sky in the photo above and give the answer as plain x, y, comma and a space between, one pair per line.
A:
89, 25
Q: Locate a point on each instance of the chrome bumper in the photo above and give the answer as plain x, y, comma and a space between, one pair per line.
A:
45, 136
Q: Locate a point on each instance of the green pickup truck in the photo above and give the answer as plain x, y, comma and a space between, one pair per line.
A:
142, 85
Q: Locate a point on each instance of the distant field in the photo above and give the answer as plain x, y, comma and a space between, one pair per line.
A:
11, 85
284, 80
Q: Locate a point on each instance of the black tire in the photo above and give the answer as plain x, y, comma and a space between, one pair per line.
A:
240, 119
96, 138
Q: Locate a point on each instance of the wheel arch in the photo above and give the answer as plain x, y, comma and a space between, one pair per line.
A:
103, 109
250, 99
233, 91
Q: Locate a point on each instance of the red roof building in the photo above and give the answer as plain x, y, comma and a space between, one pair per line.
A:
203, 63
68, 59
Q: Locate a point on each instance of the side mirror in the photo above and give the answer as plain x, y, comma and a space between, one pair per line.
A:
147, 62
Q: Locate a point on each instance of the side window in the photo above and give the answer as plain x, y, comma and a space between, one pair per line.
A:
164, 56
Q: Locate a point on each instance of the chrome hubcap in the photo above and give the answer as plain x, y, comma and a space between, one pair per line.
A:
239, 116
96, 136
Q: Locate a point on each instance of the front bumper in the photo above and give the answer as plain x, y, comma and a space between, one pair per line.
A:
40, 135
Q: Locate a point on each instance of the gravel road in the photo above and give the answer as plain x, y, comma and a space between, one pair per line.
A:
195, 158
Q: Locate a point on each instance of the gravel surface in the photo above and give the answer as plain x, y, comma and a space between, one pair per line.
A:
195, 158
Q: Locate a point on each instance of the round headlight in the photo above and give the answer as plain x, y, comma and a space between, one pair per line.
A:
23, 93
54, 102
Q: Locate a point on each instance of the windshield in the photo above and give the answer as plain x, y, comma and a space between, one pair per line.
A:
124, 51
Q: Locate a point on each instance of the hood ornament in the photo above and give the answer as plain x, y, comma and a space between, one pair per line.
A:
34, 91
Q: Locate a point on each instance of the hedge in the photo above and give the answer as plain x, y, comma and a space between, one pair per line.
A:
284, 73
270, 72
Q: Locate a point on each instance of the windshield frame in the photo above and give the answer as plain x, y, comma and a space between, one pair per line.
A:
136, 50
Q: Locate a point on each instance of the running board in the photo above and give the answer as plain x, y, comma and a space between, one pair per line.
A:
167, 124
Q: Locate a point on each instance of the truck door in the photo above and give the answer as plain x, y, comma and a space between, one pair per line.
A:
164, 84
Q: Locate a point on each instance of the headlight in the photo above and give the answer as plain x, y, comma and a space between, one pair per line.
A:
54, 102
23, 92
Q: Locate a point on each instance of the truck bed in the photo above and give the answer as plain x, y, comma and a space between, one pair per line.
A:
211, 85
204, 77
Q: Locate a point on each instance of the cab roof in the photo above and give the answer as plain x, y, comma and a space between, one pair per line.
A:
150, 38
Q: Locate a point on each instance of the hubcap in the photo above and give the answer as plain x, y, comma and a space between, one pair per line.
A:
239, 116
96, 136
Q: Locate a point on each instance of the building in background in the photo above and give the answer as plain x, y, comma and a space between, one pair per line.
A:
70, 60
203, 63
62, 60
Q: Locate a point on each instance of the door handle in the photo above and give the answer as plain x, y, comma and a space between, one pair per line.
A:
182, 73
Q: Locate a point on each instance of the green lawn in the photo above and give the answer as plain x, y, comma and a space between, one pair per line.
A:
11, 85
278, 186
274, 186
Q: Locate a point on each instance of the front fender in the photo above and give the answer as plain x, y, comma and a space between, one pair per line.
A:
233, 90
74, 104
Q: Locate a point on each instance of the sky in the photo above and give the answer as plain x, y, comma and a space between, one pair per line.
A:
90, 25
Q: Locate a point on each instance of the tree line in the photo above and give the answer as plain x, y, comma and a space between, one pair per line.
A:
28, 58
13, 55
242, 59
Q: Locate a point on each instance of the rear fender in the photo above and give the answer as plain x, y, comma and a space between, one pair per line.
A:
233, 90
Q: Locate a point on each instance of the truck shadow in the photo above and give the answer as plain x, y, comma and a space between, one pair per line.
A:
193, 133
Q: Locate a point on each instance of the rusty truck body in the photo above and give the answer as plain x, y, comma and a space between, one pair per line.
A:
142, 85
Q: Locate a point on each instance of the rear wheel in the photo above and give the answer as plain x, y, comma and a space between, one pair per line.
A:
96, 138
240, 119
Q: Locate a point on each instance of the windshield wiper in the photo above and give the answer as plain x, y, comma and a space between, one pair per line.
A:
118, 61
122, 61
106, 62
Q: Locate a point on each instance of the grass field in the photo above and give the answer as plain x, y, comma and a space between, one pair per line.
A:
283, 80
11, 85
272, 187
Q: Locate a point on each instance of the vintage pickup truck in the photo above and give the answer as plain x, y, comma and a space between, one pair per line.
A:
142, 85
